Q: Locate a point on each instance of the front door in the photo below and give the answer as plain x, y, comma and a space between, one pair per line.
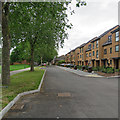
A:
92, 63
117, 63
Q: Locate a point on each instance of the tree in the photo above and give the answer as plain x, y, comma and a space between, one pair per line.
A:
21, 18
6, 45
36, 27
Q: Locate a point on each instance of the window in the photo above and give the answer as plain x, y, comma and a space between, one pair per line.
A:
86, 55
96, 53
117, 36
110, 50
97, 44
111, 62
77, 53
89, 54
110, 38
78, 62
105, 51
80, 56
117, 48
80, 50
93, 45
89, 47
93, 53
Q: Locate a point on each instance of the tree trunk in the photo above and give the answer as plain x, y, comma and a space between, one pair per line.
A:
6, 46
32, 60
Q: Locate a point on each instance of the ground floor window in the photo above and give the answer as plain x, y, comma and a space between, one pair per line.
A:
117, 48
111, 62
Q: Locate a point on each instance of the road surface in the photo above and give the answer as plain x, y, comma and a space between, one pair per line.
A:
67, 95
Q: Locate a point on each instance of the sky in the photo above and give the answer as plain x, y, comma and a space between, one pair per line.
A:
90, 21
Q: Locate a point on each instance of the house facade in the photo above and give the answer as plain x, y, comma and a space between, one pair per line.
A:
103, 50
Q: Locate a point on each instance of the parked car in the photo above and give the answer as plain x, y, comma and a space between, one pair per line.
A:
75, 67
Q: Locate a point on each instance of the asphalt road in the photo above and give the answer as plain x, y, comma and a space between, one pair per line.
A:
67, 95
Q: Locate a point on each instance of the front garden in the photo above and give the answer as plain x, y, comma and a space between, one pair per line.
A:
104, 71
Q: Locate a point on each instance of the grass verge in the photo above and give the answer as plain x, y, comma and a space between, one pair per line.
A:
21, 82
16, 67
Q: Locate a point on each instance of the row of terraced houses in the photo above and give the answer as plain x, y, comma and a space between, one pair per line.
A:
103, 50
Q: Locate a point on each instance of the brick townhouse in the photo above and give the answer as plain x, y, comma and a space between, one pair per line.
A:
100, 51
79, 55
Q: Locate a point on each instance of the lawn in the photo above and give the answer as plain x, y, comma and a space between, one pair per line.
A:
17, 67
21, 82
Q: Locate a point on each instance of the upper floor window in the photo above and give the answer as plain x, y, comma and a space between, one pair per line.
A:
80, 56
110, 38
89, 54
117, 48
105, 51
93, 53
89, 47
93, 45
110, 50
117, 36
96, 53
97, 44
80, 50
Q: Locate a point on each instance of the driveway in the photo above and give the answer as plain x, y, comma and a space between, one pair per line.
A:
67, 95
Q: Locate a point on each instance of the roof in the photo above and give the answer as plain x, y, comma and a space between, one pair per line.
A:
92, 40
82, 45
106, 32
118, 29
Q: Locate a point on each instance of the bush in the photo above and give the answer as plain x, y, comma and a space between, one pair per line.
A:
117, 70
79, 67
110, 70
86, 67
60, 62
104, 70
94, 69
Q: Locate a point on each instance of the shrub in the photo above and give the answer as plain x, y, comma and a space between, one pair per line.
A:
110, 70
86, 67
104, 70
60, 62
117, 70
79, 67
94, 69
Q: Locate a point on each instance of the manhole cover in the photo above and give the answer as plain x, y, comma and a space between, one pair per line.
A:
64, 94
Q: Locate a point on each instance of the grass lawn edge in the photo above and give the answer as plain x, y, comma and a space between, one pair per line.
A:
10, 104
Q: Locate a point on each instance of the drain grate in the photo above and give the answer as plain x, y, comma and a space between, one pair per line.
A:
64, 94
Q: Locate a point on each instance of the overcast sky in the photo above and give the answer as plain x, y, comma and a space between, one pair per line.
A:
90, 21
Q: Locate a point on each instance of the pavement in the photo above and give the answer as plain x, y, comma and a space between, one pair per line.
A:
79, 72
68, 95
17, 71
